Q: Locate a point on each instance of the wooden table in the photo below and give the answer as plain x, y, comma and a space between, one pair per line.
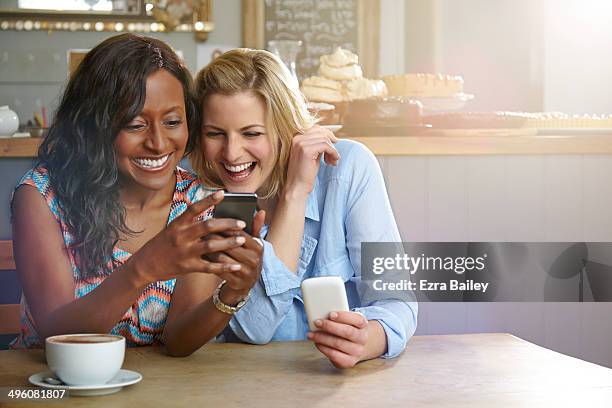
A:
472, 370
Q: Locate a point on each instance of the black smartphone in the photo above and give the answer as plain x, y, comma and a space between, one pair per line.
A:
240, 206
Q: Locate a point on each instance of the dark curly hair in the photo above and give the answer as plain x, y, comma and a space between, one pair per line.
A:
104, 94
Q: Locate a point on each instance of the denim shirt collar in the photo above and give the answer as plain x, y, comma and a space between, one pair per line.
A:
312, 202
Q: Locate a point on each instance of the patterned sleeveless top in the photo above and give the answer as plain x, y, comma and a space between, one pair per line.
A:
143, 322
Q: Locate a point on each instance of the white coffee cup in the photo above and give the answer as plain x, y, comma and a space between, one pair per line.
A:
85, 359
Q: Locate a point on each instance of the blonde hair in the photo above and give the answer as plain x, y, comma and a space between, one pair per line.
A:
265, 75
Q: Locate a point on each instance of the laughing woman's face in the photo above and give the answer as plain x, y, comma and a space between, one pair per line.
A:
150, 147
236, 142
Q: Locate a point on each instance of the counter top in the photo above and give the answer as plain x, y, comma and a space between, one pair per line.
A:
427, 145
471, 370
486, 145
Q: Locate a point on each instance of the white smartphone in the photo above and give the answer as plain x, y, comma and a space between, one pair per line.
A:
322, 296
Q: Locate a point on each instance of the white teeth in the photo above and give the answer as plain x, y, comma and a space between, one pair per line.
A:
152, 164
237, 169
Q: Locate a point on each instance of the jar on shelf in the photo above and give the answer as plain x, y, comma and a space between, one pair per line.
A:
9, 121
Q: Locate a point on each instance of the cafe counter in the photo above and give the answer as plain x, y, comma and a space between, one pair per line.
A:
462, 142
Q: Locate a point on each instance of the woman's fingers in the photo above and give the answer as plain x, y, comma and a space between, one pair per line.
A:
342, 340
331, 154
316, 140
335, 342
316, 146
212, 226
218, 244
258, 223
245, 256
245, 262
331, 136
215, 268
344, 330
192, 213
252, 243
318, 130
351, 318
221, 257
337, 358
241, 279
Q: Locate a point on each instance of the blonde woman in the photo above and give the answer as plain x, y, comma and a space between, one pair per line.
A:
322, 197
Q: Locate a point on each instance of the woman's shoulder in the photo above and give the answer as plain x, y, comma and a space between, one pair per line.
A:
356, 162
351, 147
36, 177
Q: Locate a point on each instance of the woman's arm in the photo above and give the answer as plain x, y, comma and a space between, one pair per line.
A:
270, 299
389, 322
287, 226
193, 319
367, 195
47, 279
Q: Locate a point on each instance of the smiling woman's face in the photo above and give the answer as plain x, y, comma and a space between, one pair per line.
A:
150, 147
235, 141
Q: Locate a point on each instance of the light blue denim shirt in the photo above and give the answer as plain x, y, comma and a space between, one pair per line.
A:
348, 206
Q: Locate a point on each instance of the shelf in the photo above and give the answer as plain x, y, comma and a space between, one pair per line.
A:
19, 147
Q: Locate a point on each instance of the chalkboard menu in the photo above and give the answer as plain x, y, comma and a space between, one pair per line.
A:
321, 25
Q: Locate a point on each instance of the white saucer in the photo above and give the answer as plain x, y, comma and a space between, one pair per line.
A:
122, 379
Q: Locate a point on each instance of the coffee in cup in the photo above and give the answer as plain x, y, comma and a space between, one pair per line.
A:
85, 359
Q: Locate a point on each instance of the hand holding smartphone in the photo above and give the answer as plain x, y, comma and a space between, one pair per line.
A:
240, 206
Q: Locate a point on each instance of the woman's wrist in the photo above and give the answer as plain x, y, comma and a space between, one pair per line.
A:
138, 272
231, 296
377, 341
294, 193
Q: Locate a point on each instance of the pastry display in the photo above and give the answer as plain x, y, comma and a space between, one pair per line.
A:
514, 120
341, 65
477, 120
362, 88
558, 120
324, 112
340, 79
424, 85
394, 112
320, 89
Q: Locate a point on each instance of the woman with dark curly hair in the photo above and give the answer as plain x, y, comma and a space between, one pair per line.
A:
109, 234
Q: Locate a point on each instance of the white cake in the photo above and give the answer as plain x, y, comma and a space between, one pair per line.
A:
425, 85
